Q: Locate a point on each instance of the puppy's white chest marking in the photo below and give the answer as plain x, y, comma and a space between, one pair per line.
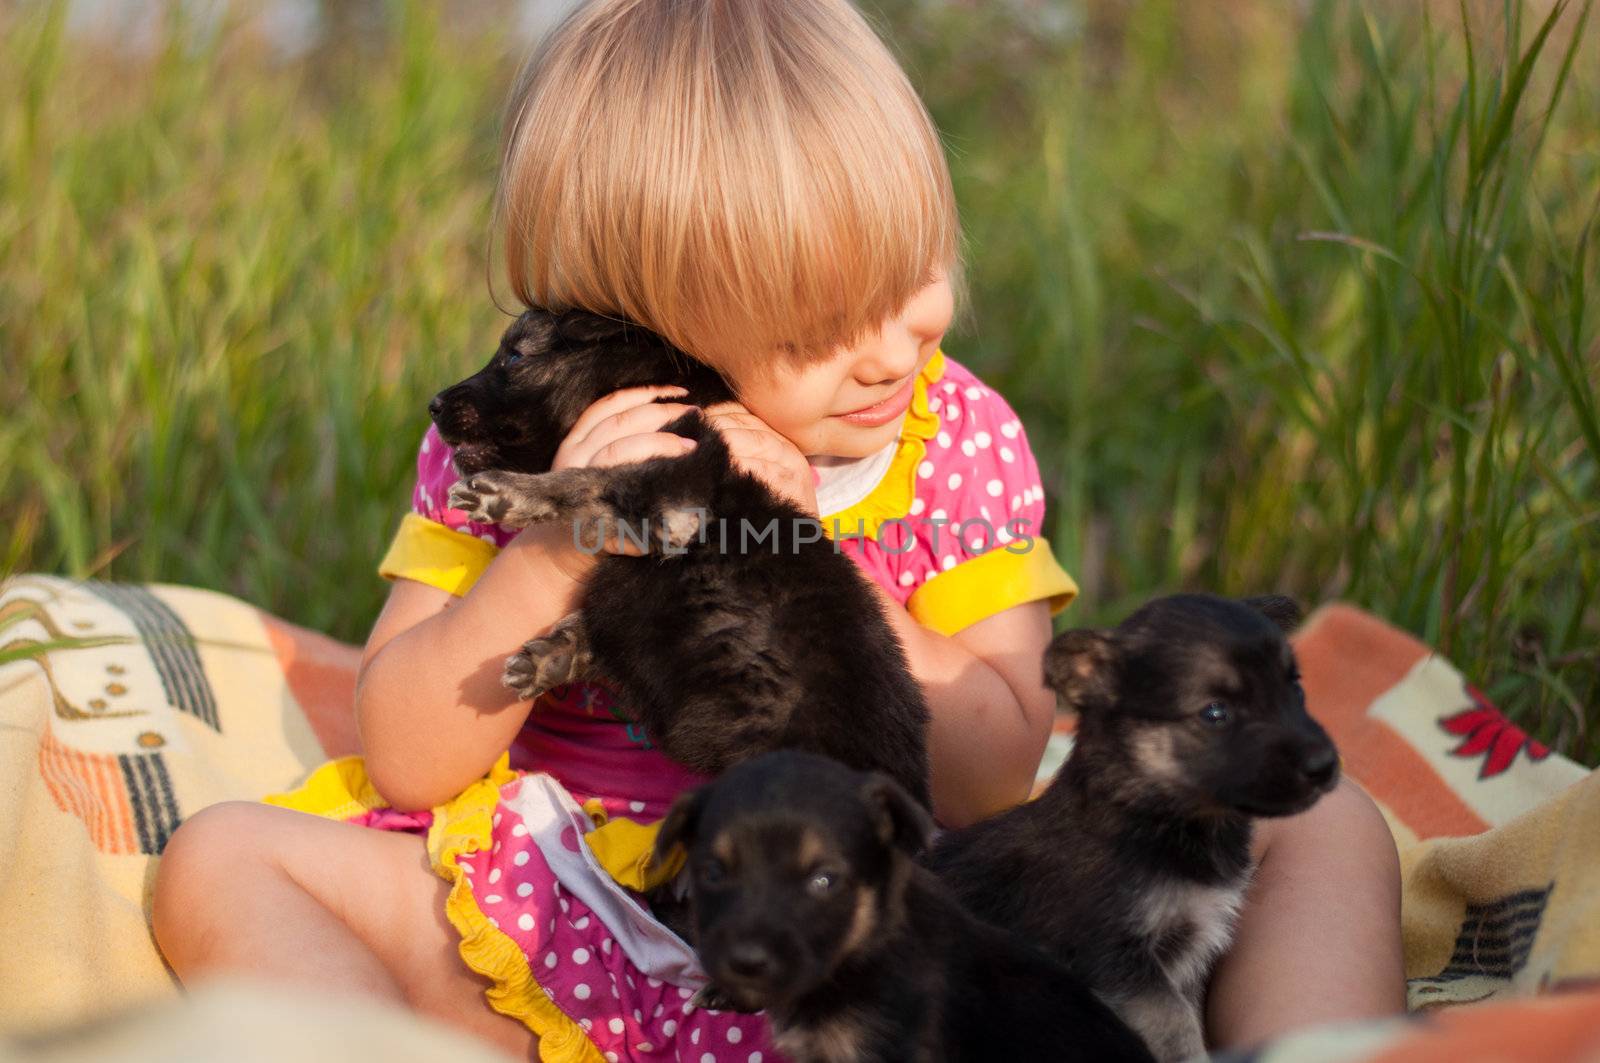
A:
1198, 923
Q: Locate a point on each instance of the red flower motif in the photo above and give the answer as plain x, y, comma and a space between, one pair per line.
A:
1485, 732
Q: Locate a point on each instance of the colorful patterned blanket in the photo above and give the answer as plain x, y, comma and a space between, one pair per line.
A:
125, 708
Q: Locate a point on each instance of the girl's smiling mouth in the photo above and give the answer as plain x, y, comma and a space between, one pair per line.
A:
881, 413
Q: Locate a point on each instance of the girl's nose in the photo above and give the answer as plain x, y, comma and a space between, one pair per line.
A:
892, 358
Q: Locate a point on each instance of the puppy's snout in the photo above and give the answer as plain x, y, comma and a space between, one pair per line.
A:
751, 961
436, 406
1320, 765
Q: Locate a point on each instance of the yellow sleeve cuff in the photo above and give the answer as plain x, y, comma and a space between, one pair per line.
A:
991, 583
429, 552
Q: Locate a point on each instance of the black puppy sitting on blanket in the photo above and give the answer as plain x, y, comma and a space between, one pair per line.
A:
745, 630
1131, 866
808, 903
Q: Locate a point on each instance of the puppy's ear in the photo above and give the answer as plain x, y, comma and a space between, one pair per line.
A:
683, 820
1281, 610
580, 326
1078, 666
899, 820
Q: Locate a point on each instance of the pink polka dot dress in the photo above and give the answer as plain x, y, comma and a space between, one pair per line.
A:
548, 856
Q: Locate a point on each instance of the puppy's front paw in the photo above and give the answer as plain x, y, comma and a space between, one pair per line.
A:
712, 998
542, 663
498, 497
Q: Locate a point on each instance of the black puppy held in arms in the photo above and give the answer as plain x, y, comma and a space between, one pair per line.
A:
1132, 865
724, 640
809, 904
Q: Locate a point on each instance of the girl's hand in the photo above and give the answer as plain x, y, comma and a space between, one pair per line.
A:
765, 454
623, 428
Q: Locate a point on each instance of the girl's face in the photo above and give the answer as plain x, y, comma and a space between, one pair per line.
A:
851, 405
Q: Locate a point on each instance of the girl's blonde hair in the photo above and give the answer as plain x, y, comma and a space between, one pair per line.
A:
742, 176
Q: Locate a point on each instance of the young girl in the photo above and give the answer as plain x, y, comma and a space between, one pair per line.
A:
757, 181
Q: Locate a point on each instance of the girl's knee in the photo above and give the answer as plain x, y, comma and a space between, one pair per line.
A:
213, 843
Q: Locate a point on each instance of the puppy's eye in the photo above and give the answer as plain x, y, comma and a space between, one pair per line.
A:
1216, 714
713, 872
821, 883
512, 357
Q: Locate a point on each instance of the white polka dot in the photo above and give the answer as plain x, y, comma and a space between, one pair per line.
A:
1010, 429
581, 990
521, 858
611, 1057
708, 1057
735, 1035
669, 1027
493, 898
969, 448
580, 955
685, 993
467, 868
755, 1057
983, 439
994, 487
524, 921
1016, 501
549, 959
519, 831
525, 889
656, 1014
954, 481
917, 506
565, 907
925, 470
949, 388
638, 1016
948, 563
615, 1026
906, 579
1002, 536
694, 1036
605, 946
496, 848
973, 393
494, 922
581, 923
586, 1024
645, 1046
635, 806
938, 514
1006, 454
494, 876
425, 444
952, 412
943, 438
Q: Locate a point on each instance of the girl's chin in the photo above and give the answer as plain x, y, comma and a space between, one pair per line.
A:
841, 439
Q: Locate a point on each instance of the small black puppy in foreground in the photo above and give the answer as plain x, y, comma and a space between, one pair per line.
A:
1132, 865
742, 629
808, 903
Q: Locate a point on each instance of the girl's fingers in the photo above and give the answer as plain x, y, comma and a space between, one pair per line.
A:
641, 447
617, 402
646, 419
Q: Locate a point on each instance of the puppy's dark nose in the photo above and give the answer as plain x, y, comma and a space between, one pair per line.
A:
1320, 766
436, 406
750, 960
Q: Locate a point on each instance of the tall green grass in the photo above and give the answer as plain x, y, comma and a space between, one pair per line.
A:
1300, 301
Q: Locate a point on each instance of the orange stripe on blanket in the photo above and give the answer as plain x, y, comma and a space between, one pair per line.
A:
90, 787
1553, 1029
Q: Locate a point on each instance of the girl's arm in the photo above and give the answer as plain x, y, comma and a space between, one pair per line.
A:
431, 710
991, 710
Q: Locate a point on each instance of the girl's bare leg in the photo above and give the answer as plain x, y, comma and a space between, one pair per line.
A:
256, 890
1319, 937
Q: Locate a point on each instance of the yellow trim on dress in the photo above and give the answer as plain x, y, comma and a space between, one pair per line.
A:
429, 552
990, 583
464, 825
892, 497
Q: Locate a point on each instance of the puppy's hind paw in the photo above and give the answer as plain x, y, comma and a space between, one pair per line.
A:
541, 664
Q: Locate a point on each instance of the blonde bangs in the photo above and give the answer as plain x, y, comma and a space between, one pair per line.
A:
749, 178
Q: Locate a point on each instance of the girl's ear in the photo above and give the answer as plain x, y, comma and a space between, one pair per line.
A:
580, 326
1282, 611
1078, 665
683, 820
899, 820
